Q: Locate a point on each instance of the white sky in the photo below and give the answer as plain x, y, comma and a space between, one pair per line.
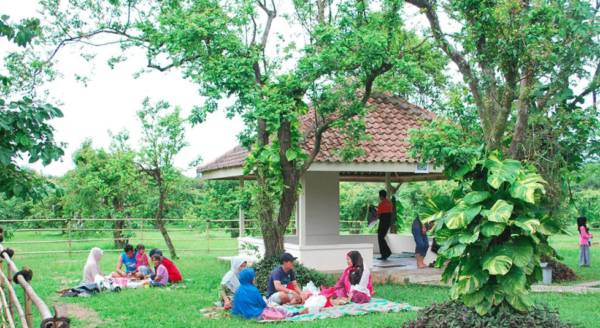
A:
112, 97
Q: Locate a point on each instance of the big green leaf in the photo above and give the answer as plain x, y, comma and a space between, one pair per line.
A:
454, 251
460, 216
526, 185
501, 171
498, 264
514, 281
529, 225
490, 229
520, 301
500, 212
522, 251
476, 197
468, 237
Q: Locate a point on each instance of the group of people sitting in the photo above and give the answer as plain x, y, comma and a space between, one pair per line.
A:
134, 264
240, 294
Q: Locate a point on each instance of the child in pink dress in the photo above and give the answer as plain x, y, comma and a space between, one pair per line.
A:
142, 267
584, 242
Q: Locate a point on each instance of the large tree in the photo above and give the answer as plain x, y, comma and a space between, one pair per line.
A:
519, 58
345, 50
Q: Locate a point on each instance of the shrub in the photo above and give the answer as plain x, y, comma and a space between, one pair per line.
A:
303, 274
560, 271
495, 234
455, 314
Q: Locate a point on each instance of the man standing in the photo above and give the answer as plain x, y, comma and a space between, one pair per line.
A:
282, 287
384, 211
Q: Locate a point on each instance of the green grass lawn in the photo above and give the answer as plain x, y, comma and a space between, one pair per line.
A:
202, 272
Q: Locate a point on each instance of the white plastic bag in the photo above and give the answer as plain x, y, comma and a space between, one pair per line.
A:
311, 288
315, 303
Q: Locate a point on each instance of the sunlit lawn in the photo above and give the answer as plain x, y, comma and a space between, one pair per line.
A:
180, 307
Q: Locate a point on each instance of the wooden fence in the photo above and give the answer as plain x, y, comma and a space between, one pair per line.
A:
78, 230
9, 301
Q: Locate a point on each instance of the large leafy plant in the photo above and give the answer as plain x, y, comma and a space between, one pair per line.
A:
495, 234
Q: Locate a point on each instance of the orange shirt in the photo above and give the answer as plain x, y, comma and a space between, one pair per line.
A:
385, 206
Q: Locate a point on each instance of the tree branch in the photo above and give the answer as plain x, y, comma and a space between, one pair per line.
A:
457, 57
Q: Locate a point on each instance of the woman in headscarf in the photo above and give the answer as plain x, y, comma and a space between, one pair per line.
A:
247, 301
231, 282
355, 284
92, 266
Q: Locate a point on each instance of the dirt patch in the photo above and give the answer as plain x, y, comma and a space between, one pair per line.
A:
89, 317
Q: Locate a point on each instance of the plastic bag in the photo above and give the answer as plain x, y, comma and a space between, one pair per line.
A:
311, 288
315, 303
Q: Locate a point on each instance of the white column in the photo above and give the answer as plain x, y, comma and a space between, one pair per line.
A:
320, 208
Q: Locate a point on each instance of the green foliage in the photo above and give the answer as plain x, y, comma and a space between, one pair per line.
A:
356, 49
494, 235
455, 314
24, 128
303, 274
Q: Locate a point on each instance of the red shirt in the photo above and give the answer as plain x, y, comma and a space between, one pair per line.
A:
174, 274
385, 206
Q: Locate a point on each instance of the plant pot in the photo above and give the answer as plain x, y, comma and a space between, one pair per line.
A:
546, 273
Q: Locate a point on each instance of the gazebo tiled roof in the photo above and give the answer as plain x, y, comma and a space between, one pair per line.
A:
387, 124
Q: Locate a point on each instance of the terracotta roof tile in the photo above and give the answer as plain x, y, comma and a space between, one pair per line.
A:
387, 123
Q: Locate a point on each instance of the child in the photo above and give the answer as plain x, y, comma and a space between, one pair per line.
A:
174, 274
141, 262
161, 277
584, 241
355, 284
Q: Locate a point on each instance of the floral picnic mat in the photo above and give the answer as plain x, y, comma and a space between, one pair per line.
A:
377, 305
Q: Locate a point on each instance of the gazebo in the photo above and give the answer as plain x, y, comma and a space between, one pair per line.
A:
317, 242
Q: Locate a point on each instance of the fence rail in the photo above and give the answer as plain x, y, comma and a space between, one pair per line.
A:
30, 297
76, 231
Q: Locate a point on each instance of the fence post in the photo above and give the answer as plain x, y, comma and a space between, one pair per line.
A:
69, 235
10, 301
208, 236
28, 312
142, 225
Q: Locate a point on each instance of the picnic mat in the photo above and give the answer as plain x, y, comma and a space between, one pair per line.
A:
377, 305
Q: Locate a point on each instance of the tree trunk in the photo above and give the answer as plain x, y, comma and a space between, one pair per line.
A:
160, 223
118, 226
272, 237
516, 146
160, 218
290, 177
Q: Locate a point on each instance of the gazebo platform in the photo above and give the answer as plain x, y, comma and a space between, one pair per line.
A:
403, 270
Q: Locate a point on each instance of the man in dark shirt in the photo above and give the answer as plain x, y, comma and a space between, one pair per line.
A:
384, 211
282, 287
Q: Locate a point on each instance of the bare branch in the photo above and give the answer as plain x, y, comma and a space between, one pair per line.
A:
594, 83
456, 56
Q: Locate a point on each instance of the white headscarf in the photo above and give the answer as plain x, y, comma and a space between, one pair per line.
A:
231, 278
92, 266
